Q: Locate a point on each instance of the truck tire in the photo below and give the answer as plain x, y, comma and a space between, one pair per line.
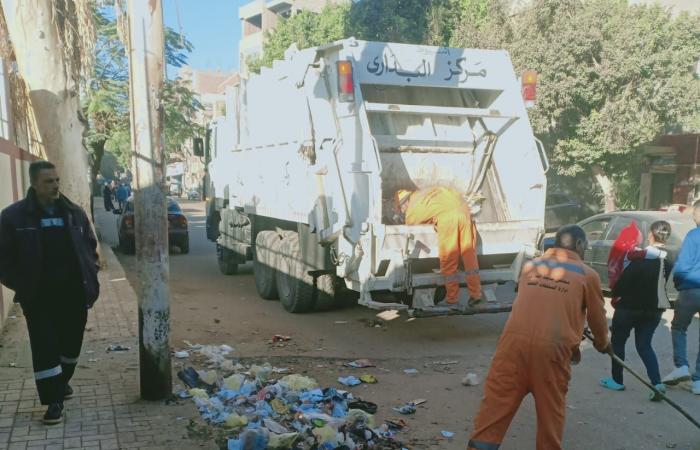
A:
226, 258
267, 247
325, 292
294, 285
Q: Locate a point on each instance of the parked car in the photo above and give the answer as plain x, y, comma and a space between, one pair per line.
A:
175, 189
178, 234
193, 194
562, 209
603, 229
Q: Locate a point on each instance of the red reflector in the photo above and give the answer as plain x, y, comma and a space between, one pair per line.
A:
529, 92
529, 87
346, 86
128, 221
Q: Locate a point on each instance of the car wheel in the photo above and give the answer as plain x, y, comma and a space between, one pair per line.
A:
226, 259
185, 245
294, 285
127, 246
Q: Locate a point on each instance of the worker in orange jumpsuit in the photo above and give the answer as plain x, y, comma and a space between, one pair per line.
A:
556, 293
446, 209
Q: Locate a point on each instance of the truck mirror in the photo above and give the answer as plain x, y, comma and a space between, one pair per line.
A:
198, 146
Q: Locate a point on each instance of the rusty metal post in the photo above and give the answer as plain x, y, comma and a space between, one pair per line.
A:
146, 78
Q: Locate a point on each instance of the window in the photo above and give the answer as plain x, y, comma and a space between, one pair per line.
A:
618, 226
596, 229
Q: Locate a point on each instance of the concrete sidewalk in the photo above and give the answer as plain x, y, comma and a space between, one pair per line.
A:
106, 412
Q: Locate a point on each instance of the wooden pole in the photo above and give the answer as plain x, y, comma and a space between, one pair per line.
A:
146, 77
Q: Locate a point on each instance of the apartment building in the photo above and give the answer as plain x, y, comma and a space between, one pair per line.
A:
210, 86
260, 16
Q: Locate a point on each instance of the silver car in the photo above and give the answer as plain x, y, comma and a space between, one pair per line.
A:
603, 229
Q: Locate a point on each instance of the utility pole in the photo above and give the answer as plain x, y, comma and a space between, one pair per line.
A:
146, 77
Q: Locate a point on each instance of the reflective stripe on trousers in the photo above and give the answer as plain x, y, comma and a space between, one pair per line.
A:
48, 373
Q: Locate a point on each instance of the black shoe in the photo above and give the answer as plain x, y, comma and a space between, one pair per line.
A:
54, 414
67, 392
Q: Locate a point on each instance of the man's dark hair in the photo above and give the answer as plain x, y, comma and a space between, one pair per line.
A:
37, 166
568, 236
661, 230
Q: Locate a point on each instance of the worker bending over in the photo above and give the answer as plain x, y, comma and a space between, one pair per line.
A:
450, 215
556, 293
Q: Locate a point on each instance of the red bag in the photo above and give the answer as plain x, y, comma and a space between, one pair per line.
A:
629, 238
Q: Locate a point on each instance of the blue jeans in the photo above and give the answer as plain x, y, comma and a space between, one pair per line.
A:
644, 324
687, 305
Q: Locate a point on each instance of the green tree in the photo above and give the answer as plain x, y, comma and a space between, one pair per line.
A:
613, 78
305, 29
106, 103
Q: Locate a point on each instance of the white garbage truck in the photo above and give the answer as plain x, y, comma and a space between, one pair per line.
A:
310, 153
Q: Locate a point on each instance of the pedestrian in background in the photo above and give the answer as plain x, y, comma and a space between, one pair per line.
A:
556, 294
122, 195
107, 197
639, 299
48, 256
687, 280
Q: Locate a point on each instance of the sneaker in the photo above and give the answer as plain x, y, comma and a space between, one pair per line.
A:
609, 383
679, 374
473, 302
67, 392
654, 395
54, 414
696, 387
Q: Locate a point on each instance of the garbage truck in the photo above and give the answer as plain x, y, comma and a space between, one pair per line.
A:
311, 151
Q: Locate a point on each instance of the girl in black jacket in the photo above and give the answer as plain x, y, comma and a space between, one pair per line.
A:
641, 299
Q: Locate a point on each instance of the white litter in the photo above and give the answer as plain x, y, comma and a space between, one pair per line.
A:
471, 379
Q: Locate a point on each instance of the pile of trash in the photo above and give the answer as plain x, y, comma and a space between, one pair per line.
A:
263, 407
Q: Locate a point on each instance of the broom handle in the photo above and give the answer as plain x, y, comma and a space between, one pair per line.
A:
673, 404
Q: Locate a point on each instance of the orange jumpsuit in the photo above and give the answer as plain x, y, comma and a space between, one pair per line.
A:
556, 293
449, 213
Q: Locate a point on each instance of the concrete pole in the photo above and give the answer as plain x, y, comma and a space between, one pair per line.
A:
147, 73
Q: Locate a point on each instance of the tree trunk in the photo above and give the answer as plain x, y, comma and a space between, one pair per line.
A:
607, 187
53, 92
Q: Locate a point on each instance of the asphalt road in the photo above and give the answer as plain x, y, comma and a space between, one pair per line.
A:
208, 307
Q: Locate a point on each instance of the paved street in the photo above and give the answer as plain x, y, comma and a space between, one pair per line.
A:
208, 307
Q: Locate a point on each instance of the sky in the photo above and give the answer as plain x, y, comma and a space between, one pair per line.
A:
212, 26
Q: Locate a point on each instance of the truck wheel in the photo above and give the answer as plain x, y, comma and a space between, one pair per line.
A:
267, 247
325, 292
294, 285
226, 259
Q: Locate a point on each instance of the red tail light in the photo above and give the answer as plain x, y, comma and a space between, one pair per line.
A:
178, 220
129, 221
346, 86
529, 86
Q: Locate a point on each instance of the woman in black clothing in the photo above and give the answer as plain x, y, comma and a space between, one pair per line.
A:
641, 291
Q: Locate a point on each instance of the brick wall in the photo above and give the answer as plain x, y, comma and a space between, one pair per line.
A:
14, 181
